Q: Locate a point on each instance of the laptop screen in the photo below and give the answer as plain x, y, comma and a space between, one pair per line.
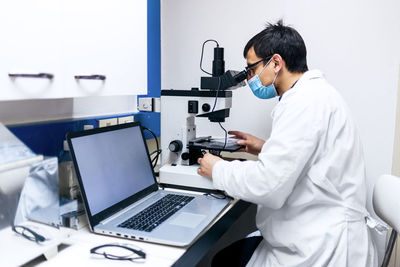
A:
113, 166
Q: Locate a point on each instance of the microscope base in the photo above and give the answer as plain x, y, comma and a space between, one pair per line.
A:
184, 176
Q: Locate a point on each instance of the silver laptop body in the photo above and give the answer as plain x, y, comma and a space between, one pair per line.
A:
116, 179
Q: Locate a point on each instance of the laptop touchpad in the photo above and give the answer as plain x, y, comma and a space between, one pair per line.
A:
187, 219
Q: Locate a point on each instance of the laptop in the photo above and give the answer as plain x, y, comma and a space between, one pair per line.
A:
121, 195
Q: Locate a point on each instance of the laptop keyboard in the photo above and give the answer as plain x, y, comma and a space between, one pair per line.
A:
154, 215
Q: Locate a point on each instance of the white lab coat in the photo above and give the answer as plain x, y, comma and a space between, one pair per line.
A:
308, 183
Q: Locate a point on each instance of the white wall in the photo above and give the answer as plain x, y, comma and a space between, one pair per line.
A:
355, 43
40, 110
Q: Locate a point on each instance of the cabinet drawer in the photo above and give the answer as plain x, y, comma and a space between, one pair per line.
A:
69, 39
30, 46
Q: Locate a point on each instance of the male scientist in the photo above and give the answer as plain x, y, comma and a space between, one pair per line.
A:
309, 179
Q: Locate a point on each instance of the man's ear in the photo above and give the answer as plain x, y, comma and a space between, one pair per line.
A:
278, 62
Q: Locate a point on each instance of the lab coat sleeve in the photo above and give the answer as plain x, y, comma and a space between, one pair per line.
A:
284, 156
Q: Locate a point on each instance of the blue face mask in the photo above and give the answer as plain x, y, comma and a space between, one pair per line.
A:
261, 91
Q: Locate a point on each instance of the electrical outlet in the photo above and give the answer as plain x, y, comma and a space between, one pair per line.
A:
145, 104
126, 119
108, 122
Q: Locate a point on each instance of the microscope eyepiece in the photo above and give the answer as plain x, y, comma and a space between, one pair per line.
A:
241, 76
229, 80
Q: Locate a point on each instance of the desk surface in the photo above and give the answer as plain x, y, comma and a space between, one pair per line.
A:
16, 250
77, 253
195, 253
79, 243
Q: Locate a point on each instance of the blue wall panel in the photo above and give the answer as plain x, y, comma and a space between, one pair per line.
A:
47, 138
150, 119
153, 48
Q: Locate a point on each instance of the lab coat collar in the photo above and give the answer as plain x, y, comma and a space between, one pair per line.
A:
308, 75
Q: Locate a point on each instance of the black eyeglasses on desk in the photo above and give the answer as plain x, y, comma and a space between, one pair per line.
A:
28, 233
119, 252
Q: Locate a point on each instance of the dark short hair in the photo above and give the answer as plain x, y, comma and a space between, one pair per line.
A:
283, 40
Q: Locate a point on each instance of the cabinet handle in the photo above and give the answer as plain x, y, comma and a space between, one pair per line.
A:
91, 77
31, 75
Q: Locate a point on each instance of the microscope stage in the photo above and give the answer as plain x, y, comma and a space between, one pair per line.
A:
215, 144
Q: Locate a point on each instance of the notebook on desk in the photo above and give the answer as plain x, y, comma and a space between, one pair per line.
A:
121, 195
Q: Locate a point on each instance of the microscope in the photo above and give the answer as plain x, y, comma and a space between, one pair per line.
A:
180, 146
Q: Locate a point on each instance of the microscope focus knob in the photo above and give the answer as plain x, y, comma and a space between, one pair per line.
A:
206, 107
175, 146
185, 156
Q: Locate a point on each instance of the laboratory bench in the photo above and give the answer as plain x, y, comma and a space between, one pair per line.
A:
69, 247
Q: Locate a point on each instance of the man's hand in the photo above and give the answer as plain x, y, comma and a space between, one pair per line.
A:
207, 163
252, 143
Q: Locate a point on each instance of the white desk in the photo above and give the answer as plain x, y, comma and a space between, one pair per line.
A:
17, 250
78, 252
